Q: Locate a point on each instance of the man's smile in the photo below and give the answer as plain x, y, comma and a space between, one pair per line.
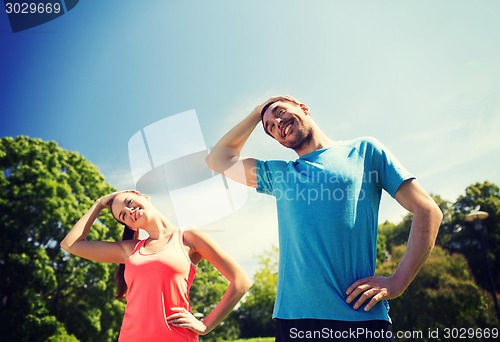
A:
286, 128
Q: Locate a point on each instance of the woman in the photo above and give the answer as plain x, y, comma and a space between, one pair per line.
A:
159, 270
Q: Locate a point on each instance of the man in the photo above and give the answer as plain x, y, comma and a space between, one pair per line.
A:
327, 202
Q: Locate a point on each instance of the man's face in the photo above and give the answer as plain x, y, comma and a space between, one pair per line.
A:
288, 123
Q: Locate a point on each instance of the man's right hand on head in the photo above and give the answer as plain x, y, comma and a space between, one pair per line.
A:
258, 109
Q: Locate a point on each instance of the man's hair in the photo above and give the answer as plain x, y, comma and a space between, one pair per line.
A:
265, 108
270, 103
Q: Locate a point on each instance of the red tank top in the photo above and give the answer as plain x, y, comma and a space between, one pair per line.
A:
157, 282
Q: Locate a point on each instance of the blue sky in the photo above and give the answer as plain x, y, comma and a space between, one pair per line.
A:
421, 76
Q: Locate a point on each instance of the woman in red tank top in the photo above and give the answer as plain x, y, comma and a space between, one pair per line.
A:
155, 274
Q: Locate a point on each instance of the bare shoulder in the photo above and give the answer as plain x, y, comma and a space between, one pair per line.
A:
193, 240
199, 242
193, 237
128, 245
203, 247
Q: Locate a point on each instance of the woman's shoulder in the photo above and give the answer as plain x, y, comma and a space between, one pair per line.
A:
130, 246
191, 235
192, 239
198, 240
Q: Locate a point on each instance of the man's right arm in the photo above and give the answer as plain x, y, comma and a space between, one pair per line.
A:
225, 155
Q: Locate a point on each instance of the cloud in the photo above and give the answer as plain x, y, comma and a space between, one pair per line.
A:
120, 178
249, 232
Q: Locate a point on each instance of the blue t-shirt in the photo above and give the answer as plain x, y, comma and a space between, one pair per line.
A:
328, 203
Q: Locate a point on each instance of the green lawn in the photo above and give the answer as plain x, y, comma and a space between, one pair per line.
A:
258, 339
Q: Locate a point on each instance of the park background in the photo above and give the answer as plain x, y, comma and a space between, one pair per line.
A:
421, 76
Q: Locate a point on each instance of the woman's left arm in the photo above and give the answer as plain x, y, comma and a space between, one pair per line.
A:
239, 283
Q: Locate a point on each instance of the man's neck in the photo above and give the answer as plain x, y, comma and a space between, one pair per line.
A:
318, 141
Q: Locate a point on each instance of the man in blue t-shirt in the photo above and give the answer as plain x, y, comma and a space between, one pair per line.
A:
328, 201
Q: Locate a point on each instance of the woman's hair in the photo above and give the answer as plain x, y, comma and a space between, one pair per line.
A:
121, 285
128, 234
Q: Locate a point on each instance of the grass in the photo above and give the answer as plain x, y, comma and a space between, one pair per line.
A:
258, 339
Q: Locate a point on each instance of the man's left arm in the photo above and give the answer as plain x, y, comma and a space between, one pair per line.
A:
426, 221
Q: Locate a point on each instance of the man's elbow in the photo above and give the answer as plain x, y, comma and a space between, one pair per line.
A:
434, 218
439, 214
435, 213
209, 160
219, 159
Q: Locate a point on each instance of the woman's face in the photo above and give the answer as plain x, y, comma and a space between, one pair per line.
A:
129, 209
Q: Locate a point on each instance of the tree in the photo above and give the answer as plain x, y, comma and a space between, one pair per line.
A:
207, 290
398, 234
384, 231
443, 293
457, 235
256, 311
45, 294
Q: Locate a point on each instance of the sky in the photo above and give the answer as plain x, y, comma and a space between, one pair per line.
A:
121, 80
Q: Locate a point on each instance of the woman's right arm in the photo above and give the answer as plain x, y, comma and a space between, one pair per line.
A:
76, 242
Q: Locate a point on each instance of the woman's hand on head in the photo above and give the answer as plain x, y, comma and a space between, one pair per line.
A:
105, 201
182, 318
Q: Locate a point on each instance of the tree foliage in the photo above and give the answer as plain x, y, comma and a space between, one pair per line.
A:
206, 292
255, 313
442, 295
460, 236
44, 293
460, 239
397, 234
385, 230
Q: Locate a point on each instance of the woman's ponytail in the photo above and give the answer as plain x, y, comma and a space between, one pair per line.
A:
121, 285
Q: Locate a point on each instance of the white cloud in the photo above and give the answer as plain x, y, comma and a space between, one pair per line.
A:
119, 178
248, 232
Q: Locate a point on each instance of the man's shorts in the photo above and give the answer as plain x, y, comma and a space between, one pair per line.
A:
318, 330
